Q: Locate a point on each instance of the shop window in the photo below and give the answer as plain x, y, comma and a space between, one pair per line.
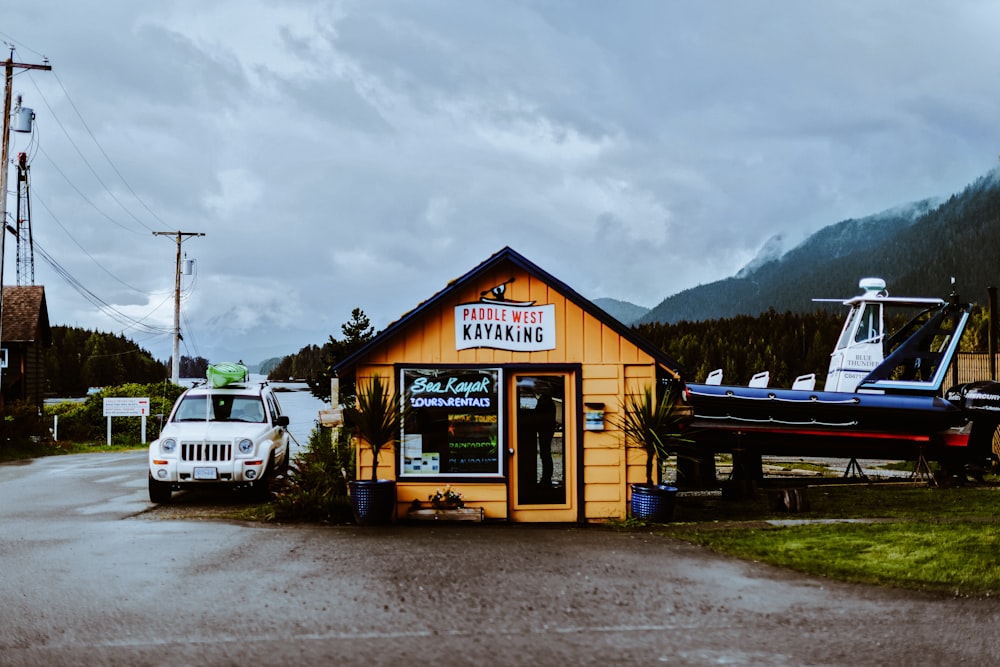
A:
453, 426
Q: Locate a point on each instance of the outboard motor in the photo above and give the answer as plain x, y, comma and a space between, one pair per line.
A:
976, 397
981, 403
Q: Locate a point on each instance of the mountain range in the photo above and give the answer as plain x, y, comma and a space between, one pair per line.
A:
920, 249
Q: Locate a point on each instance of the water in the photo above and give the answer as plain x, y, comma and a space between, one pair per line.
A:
302, 409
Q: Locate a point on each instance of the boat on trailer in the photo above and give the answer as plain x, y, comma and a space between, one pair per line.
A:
883, 395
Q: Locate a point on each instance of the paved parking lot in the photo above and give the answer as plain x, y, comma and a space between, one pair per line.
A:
93, 577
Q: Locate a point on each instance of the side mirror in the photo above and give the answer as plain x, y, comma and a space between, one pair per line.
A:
281, 421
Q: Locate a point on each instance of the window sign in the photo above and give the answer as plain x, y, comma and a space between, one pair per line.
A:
453, 427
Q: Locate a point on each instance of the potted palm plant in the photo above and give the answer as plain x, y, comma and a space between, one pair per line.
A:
654, 426
377, 419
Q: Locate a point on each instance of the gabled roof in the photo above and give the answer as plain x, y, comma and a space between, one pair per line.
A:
25, 315
508, 255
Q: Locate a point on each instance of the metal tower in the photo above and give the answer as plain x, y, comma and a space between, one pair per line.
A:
25, 244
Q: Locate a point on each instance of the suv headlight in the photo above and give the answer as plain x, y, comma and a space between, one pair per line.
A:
246, 446
168, 446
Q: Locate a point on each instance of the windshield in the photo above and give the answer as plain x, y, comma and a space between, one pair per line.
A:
222, 408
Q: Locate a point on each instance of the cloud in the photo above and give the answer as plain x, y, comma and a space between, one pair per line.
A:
362, 154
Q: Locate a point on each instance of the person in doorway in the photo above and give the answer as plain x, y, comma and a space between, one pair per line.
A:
545, 425
527, 453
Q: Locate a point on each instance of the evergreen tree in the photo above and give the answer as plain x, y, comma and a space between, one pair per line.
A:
79, 359
315, 363
195, 367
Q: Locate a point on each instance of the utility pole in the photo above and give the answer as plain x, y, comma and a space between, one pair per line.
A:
9, 66
175, 366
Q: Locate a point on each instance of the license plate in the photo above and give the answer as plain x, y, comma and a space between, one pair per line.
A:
206, 473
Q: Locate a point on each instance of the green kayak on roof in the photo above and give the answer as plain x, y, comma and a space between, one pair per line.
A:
220, 375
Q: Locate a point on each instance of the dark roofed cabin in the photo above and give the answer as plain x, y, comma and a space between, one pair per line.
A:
25, 336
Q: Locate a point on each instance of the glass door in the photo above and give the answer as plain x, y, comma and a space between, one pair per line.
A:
543, 454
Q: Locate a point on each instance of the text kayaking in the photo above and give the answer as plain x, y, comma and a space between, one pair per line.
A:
515, 327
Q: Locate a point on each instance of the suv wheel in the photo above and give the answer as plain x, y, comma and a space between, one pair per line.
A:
260, 489
159, 492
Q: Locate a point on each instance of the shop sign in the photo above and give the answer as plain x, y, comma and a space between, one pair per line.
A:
453, 422
518, 327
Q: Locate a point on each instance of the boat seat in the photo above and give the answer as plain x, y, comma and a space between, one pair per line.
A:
715, 377
805, 382
760, 379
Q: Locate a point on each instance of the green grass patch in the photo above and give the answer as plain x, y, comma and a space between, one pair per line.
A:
798, 465
961, 558
932, 539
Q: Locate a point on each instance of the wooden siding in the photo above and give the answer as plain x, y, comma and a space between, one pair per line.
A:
491, 496
26, 334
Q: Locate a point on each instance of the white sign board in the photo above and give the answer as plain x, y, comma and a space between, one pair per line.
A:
126, 407
520, 327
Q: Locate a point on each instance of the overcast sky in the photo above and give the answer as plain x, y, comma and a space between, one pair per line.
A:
364, 153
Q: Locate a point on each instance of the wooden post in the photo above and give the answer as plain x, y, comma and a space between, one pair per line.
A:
991, 344
175, 365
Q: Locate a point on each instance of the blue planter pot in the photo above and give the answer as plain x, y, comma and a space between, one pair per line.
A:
373, 502
653, 503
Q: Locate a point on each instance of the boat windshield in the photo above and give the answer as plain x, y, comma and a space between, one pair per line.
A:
845, 335
870, 326
863, 325
222, 408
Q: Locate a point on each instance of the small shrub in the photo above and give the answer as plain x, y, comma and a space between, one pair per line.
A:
628, 523
23, 430
315, 488
85, 421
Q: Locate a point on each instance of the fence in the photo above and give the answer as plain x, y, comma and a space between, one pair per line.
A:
972, 367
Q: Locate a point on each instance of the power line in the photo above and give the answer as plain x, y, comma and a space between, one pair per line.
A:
100, 148
102, 305
10, 41
56, 219
90, 296
83, 196
190, 334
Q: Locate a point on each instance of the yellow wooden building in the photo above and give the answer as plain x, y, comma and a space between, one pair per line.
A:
515, 383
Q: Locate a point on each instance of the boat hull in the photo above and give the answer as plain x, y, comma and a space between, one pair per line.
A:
821, 423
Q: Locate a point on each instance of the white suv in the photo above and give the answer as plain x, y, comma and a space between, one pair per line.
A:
234, 435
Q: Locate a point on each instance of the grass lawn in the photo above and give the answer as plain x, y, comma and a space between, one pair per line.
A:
932, 539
